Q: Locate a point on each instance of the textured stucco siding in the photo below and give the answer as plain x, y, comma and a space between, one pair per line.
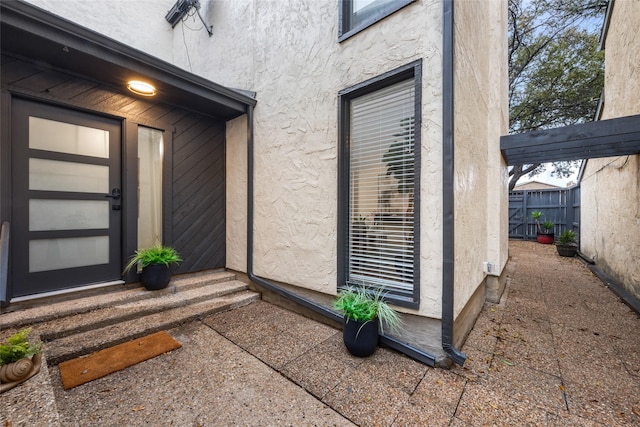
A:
288, 53
480, 119
236, 209
297, 69
498, 124
138, 23
610, 220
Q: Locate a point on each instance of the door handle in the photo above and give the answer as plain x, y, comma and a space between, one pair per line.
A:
115, 194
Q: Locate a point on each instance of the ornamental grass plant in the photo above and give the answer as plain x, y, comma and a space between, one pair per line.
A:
157, 254
365, 305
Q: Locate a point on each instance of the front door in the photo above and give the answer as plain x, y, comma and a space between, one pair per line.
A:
66, 201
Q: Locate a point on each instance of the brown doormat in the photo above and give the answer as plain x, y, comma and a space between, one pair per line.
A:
104, 362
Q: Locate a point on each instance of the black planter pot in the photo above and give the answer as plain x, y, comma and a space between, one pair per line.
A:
360, 338
567, 250
155, 276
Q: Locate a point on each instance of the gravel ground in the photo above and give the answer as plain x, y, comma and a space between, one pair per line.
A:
560, 349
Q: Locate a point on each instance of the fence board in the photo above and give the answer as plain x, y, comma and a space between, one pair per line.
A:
561, 206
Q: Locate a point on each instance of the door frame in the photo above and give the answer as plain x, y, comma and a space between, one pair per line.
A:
56, 279
130, 188
128, 175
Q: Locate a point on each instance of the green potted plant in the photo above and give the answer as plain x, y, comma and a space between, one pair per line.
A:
366, 315
19, 360
545, 233
567, 244
154, 265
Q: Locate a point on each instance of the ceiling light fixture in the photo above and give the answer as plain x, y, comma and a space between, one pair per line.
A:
141, 88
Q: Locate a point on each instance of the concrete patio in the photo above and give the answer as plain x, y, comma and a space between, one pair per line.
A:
560, 349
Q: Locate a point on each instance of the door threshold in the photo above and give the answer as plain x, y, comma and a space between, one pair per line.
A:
66, 291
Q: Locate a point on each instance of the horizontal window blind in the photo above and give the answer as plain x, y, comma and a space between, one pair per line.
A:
381, 230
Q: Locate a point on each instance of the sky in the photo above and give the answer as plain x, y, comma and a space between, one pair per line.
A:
548, 179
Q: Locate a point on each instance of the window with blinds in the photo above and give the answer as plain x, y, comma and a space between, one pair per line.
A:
381, 188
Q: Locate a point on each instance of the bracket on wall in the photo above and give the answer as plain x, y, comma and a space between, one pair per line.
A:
182, 8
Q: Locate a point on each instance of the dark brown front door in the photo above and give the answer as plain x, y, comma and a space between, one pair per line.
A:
66, 202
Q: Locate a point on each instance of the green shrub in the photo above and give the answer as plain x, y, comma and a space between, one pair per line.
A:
567, 237
154, 255
18, 347
363, 305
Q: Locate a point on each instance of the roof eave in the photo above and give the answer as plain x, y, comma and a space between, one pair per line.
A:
109, 60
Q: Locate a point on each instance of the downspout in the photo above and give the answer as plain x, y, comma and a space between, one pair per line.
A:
448, 191
390, 342
259, 280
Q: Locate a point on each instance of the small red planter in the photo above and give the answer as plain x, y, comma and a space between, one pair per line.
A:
545, 238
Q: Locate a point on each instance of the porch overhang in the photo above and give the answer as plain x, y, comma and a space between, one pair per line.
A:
603, 138
57, 43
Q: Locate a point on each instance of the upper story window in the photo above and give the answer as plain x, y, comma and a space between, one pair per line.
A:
356, 15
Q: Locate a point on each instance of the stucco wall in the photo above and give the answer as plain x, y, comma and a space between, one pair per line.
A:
287, 52
139, 23
610, 220
236, 158
480, 119
298, 68
497, 201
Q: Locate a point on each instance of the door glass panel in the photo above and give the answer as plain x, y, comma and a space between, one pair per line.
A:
68, 138
54, 175
56, 214
56, 254
150, 153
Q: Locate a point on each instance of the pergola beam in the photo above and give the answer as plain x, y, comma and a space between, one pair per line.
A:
603, 138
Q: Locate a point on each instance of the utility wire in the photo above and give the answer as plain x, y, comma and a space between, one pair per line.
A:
186, 48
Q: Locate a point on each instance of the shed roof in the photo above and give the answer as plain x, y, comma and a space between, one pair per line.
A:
32, 32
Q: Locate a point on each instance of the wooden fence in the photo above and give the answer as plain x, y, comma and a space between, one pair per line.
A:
561, 206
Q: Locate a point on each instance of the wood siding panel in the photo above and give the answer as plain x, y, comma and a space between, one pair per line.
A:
174, 117
197, 175
95, 98
184, 124
157, 112
43, 81
137, 108
71, 89
199, 194
188, 170
13, 70
188, 211
118, 103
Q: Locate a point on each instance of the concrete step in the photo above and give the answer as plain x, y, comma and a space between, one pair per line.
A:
86, 342
78, 326
136, 308
44, 311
